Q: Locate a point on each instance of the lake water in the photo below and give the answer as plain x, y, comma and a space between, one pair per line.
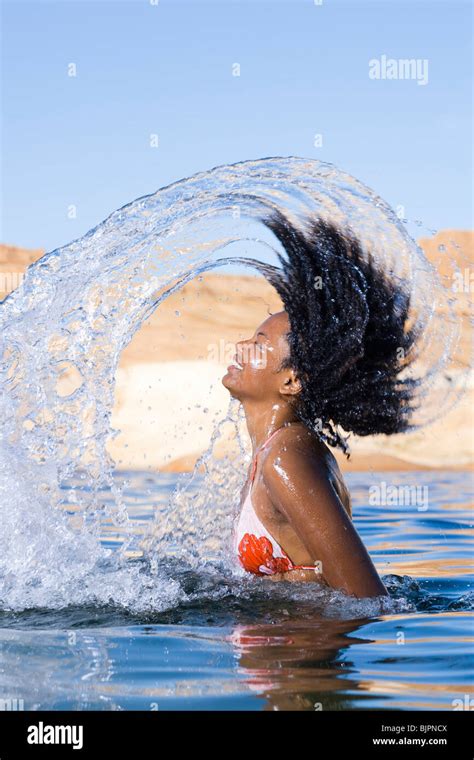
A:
223, 640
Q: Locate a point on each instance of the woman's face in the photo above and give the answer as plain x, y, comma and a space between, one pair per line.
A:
256, 373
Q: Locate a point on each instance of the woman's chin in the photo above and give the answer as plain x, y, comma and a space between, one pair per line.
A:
228, 382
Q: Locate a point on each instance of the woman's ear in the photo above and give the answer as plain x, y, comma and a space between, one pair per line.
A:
290, 384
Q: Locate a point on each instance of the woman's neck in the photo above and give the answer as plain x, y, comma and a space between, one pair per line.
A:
262, 422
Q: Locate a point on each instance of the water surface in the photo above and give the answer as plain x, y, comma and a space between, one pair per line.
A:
219, 639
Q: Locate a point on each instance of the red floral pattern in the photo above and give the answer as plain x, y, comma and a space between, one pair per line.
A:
257, 553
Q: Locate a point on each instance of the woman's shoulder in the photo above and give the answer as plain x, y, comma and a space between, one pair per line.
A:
298, 438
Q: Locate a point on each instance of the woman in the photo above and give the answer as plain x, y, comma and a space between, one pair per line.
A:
332, 357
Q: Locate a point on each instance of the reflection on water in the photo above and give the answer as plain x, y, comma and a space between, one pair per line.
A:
395, 662
230, 641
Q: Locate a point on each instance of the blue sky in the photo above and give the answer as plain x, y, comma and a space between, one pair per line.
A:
166, 69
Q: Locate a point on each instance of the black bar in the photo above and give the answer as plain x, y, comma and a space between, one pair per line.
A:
241, 732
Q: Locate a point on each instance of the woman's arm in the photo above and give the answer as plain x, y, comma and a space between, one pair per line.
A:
298, 486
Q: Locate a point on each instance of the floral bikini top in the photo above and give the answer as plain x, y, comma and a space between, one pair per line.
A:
256, 549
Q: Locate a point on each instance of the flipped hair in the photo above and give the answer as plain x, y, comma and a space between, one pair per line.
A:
348, 340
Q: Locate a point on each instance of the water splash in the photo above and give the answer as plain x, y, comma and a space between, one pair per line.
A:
80, 305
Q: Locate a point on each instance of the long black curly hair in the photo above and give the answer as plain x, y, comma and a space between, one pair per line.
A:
348, 335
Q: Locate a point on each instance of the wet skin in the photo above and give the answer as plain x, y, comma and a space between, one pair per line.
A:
298, 492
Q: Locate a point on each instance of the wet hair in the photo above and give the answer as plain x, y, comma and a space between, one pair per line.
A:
348, 340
